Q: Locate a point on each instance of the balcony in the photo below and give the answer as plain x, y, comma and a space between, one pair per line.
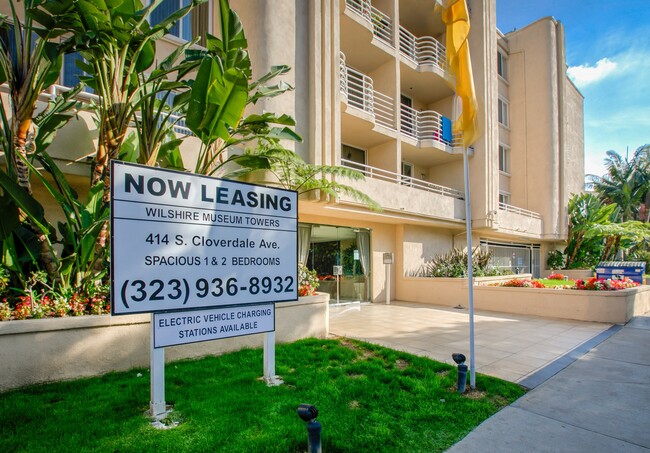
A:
424, 51
366, 35
515, 220
380, 24
406, 194
426, 127
368, 109
424, 71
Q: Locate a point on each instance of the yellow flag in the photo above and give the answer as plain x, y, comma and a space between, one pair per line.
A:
456, 18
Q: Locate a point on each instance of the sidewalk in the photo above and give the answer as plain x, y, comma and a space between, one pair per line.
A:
599, 403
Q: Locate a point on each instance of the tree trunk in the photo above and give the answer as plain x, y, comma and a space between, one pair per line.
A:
22, 141
110, 139
20, 145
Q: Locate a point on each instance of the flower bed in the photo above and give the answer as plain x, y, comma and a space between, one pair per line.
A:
600, 284
51, 305
593, 284
522, 283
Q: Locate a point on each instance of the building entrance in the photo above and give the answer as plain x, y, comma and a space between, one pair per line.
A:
339, 250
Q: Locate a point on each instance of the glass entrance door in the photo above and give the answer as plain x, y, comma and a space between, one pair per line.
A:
349, 248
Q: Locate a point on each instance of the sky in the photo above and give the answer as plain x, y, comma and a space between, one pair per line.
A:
608, 57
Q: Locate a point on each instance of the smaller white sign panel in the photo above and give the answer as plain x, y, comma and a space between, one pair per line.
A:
185, 327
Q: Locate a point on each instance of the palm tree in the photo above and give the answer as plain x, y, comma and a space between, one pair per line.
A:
626, 183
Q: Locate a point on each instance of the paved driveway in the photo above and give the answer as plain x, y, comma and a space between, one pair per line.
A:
523, 349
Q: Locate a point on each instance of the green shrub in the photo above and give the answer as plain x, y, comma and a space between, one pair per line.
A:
555, 259
454, 264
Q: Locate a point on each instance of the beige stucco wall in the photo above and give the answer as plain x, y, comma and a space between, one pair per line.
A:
546, 125
43, 350
420, 244
574, 157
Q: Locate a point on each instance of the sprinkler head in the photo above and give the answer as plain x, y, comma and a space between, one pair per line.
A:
307, 412
458, 358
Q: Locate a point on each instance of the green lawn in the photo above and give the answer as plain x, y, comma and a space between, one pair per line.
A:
369, 398
551, 283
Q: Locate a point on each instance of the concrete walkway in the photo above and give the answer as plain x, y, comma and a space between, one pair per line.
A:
591, 383
599, 403
517, 348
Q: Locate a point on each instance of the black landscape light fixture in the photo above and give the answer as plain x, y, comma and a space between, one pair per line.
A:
462, 371
308, 413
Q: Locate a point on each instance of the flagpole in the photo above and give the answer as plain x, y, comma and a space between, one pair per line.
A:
470, 270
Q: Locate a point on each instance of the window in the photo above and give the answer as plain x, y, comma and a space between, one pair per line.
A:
355, 157
504, 158
502, 65
70, 72
196, 23
407, 173
504, 117
504, 198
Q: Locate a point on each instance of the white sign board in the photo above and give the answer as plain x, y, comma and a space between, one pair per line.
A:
184, 327
182, 241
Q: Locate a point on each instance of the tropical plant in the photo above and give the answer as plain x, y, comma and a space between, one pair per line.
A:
585, 211
555, 259
291, 172
117, 43
221, 92
30, 61
626, 183
454, 264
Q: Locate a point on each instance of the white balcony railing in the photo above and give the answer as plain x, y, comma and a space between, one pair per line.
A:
424, 125
385, 175
520, 211
424, 51
358, 90
382, 24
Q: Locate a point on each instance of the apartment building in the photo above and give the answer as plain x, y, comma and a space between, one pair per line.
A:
373, 92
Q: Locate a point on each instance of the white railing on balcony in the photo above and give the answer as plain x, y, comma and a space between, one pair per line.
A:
520, 211
382, 24
357, 88
424, 51
384, 110
385, 175
424, 125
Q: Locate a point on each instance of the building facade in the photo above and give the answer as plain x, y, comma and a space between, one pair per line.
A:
373, 92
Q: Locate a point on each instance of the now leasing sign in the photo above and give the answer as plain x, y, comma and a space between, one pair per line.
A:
182, 241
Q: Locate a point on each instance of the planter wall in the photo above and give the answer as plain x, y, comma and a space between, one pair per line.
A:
43, 350
597, 306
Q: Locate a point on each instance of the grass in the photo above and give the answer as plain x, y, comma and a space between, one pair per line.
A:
369, 398
552, 283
